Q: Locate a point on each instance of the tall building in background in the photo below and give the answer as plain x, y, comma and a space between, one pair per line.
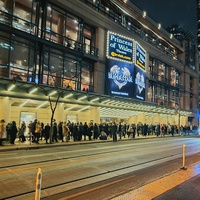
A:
101, 60
198, 23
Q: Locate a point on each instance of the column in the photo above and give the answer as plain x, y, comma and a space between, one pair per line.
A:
141, 118
95, 115
5, 109
99, 67
156, 119
132, 120
59, 113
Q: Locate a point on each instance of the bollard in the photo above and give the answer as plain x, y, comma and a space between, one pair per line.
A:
38, 184
183, 155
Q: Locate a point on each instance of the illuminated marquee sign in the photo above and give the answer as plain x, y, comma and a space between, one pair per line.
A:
140, 56
119, 47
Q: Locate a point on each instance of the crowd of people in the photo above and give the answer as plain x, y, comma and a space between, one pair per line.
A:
66, 131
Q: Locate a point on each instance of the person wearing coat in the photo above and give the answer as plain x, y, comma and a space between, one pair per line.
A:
13, 132
65, 132
38, 129
47, 129
2, 132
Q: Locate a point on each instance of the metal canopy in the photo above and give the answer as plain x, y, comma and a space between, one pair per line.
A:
28, 94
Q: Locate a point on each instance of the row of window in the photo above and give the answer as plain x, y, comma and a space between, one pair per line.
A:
48, 22
117, 15
40, 63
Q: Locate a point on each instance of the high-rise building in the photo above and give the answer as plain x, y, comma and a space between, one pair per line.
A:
198, 23
100, 60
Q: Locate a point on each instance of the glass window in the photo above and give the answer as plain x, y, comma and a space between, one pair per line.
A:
72, 28
53, 68
21, 59
173, 77
5, 47
71, 73
87, 76
24, 13
161, 72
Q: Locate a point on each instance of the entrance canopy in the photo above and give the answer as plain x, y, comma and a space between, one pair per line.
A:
28, 94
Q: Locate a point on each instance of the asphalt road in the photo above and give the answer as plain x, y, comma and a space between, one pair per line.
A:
96, 171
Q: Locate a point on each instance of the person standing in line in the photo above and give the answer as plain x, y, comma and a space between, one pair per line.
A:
47, 132
85, 130
38, 130
114, 131
75, 132
96, 131
90, 130
2, 132
8, 129
60, 131
66, 132
13, 132
22, 130
33, 128
133, 130
120, 130
55, 132
162, 129
80, 131
42, 130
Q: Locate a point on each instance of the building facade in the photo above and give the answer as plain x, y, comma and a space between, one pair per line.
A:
104, 60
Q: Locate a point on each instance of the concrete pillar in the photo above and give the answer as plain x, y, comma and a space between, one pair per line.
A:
95, 115
5, 109
59, 116
132, 120
149, 120
156, 119
141, 118
99, 67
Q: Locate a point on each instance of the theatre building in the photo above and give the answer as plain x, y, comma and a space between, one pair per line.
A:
100, 60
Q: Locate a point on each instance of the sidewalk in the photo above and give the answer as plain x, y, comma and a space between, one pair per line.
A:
42, 144
181, 185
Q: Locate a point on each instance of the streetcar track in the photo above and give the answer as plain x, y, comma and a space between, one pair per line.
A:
106, 172
93, 176
69, 157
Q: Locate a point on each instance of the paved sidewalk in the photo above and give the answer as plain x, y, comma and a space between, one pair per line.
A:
181, 185
42, 144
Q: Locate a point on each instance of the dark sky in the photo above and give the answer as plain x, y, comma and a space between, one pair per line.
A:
169, 12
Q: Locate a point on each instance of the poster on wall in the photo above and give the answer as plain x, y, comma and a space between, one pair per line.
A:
139, 84
120, 78
119, 47
27, 117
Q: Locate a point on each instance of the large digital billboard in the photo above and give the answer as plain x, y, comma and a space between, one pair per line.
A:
120, 78
119, 47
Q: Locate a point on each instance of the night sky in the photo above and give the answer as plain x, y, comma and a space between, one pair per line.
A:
170, 12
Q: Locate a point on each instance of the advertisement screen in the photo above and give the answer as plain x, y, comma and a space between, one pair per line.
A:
139, 84
120, 78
